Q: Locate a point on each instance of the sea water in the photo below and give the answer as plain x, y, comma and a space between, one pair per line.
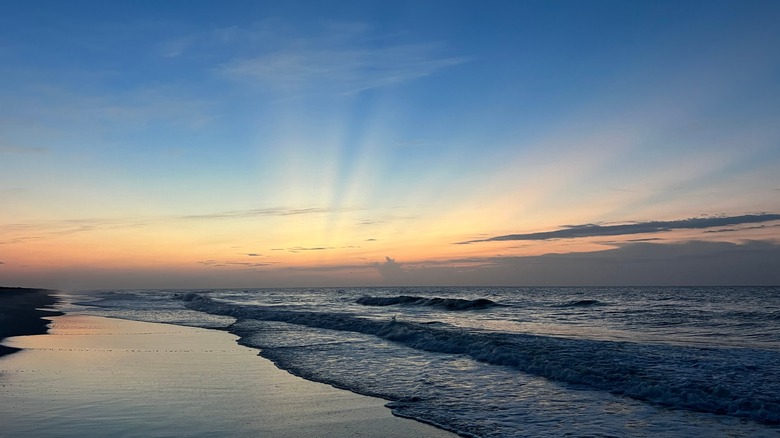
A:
498, 362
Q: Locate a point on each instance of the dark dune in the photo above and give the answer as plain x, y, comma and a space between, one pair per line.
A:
19, 314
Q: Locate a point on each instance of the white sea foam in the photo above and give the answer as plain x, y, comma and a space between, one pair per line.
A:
704, 380
476, 372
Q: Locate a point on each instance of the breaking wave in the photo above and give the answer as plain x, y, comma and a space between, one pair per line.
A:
581, 303
711, 380
443, 303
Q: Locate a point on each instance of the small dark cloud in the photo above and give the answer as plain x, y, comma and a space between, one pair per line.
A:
649, 239
223, 264
731, 230
250, 265
520, 246
370, 240
253, 254
315, 248
595, 230
2, 263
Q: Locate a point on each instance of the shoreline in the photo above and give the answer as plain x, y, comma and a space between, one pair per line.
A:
20, 314
113, 377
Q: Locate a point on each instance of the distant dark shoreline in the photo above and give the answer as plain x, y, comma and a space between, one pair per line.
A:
19, 314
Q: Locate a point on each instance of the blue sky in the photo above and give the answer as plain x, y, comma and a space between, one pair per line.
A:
151, 144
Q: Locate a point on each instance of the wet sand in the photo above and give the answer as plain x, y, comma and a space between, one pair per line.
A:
19, 314
95, 376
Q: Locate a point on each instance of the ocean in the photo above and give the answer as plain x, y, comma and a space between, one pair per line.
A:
509, 362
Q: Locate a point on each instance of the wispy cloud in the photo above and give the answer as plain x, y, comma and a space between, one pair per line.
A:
297, 249
731, 230
22, 150
594, 230
13, 233
263, 212
313, 248
233, 264
176, 47
23, 232
342, 70
335, 58
135, 108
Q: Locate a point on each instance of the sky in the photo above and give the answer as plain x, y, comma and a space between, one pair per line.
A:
197, 144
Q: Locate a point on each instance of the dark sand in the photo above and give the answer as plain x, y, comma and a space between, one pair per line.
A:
19, 314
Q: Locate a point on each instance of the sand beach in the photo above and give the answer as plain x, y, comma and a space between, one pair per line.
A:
95, 376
